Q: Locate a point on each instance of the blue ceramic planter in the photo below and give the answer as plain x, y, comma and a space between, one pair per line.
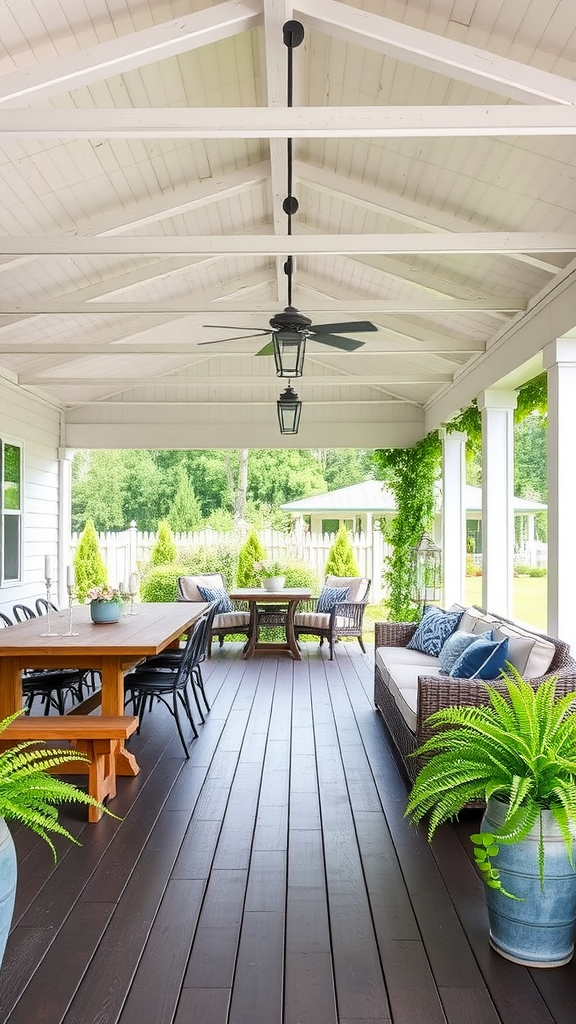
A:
538, 930
105, 611
7, 883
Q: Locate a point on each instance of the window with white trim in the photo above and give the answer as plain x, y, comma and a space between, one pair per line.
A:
11, 510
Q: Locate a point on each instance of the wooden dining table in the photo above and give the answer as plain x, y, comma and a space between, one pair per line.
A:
109, 648
286, 600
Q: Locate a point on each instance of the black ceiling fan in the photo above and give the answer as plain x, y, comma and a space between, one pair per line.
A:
291, 328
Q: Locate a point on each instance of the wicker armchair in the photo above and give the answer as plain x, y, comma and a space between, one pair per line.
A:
344, 619
225, 623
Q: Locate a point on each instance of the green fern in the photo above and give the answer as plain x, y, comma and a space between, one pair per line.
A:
31, 796
520, 748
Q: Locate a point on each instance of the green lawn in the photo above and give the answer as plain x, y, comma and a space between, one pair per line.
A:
529, 603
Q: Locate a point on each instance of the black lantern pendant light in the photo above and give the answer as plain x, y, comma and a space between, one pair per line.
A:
289, 343
289, 409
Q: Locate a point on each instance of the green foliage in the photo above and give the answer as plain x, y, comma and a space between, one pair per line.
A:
530, 570
251, 551
164, 550
411, 475
185, 513
301, 576
532, 397
521, 748
220, 558
221, 520
161, 583
31, 796
89, 567
341, 560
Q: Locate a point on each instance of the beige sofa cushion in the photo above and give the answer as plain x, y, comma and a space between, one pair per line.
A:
354, 583
530, 654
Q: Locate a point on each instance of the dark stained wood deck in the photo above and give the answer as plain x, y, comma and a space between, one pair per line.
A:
271, 879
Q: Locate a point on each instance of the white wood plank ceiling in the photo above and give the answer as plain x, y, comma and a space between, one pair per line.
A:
142, 172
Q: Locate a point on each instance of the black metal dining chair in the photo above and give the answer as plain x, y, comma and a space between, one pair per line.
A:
143, 686
171, 659
53, 686
22, 613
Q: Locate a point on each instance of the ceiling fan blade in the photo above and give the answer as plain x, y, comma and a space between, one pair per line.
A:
237, 337
353, 327
268, 350
237, 327
346, 344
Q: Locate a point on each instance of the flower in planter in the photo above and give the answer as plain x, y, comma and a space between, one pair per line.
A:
269, 569
104, 594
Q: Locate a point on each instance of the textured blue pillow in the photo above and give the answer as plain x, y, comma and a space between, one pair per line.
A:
456, 644
331, 596
481, 660
434, 629
211, 594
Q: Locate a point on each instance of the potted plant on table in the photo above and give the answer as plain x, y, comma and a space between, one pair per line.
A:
31, 796
272, 574
518, 754
105, 604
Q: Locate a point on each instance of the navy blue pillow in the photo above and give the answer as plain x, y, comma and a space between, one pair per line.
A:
211, 594
456, 645
434, 629
331, 596
481, 660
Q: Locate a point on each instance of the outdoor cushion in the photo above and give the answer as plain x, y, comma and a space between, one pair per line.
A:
530, 655
355, 584
212, 594
455, 645
434, 629
227, 620
482, 659
331, 596
188, 585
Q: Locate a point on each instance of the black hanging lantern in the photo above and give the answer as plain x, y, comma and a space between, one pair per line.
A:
289, 348
289, 409
426, 571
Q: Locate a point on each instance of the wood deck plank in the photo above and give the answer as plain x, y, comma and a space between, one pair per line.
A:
271, 877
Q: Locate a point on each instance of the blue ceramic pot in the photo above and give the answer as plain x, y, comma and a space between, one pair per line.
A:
538, 929
105, 611
7, 883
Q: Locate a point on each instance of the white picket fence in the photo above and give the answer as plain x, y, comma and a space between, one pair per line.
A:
129, 551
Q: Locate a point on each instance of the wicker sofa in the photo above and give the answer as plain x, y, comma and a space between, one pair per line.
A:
408, 685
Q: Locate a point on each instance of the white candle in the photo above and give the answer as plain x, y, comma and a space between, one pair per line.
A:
48, 567
133, 583
70, 581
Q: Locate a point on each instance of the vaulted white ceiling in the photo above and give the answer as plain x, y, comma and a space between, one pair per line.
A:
142, 171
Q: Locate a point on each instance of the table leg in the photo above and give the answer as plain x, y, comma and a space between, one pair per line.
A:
290, 635
253, 631
10, 687
113, 704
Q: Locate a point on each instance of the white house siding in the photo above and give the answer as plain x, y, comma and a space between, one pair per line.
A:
35, 425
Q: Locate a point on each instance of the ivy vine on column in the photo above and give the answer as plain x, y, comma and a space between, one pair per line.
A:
411, 475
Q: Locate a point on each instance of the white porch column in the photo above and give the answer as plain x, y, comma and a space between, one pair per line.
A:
65, 456
497, 408
453, 517
560, 362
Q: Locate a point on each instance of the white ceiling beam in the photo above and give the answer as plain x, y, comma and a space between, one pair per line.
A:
42, 380
443, 56
296, 122
395, 346
384, 203
388, 244
174, 308
134, 50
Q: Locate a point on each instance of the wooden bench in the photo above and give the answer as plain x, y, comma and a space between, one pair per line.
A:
96, 736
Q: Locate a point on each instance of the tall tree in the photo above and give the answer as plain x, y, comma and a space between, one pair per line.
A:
184, 513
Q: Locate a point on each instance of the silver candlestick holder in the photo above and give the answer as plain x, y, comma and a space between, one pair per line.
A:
49, 631
71, 594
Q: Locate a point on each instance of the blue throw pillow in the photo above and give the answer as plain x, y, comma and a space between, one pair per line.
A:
331, 596
481, 660
456, 645
211, 594
434, 629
